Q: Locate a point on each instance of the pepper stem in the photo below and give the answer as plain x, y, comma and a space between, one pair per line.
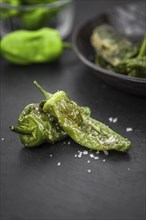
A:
20, 130
44, 92
67, 45
142, 49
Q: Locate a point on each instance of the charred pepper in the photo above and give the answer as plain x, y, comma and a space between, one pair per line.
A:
36, 127
81, 128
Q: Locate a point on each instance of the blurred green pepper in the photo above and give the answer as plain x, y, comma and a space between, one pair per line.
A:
26, 47
84, 110
40, 16
35, 2
35, 18
9, 12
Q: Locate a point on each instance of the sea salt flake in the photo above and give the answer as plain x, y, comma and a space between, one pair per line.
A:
69, 143
115, 120
110, 119
75, 155
129, 129
51, 155
88, 161
89, 171
3, 139
58, 164
96, 158
85, 152
104, 160
92, 155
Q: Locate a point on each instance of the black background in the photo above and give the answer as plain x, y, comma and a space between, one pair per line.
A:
33, 187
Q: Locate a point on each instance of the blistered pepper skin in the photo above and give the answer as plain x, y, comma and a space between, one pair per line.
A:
35, 127
81, 128
25, 47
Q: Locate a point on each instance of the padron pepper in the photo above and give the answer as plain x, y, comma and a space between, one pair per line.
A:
36, 127
26, 47
81, 128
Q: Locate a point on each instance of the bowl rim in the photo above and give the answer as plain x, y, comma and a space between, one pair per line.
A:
93, 65
31, 7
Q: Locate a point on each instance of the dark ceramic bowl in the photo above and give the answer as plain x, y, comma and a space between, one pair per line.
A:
130, 20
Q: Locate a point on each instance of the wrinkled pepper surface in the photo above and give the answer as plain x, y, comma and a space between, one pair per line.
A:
36, 127
26, 47
83, 129
118, 54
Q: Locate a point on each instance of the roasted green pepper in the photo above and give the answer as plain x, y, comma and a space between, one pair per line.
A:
58, 116
84, 110
26, 47
36, 127
111, 45
83, 129
118, 54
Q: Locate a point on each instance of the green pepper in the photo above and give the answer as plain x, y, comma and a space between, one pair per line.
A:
40, 16
112, 46
35, 2
9, 12
81, 128
137, 66
36, 127
26, 47
84, 110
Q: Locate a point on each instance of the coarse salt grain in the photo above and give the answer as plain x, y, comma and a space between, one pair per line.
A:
110, 119
85, 152
2, 139
51, 155
69, 143
92, 155
75, 155
115, 120
96, 158
129, 129
89, 171
103, 160
58, 164
88, 161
